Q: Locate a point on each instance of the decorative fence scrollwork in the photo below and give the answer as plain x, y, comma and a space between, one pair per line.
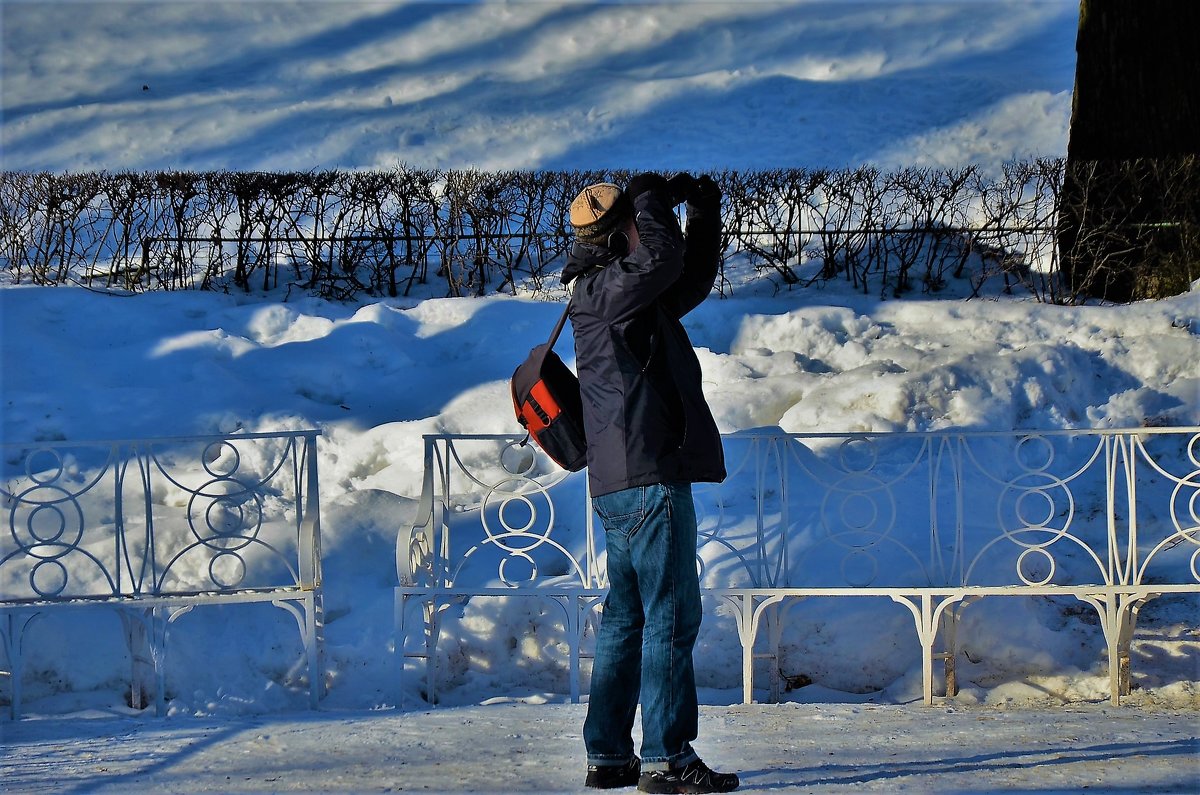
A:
930, 521
154, 528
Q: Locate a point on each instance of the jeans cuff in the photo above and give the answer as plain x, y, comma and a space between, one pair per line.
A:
608, 761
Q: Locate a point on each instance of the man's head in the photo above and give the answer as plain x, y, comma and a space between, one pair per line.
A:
599, 212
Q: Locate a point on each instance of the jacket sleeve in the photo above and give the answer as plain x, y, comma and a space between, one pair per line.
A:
654, 267
701, 259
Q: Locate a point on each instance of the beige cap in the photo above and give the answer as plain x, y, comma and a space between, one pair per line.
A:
598, 211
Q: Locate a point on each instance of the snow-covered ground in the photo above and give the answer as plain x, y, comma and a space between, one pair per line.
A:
698, 85
376, 376
503, 748
183, 84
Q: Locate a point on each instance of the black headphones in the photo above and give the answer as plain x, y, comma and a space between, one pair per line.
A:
618, 243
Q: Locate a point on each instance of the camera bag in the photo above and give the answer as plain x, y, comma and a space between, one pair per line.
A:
548, 404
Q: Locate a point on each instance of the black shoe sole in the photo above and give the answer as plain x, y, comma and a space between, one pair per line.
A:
611, 784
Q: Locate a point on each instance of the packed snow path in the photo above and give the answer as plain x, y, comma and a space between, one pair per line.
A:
811, 748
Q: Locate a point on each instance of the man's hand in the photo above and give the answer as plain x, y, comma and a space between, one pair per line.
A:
676, 190
646, 182
681, 186
705, 192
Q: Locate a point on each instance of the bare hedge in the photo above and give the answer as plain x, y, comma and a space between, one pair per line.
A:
1130, 230
340, 234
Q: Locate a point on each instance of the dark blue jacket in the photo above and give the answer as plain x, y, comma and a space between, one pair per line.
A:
644, 410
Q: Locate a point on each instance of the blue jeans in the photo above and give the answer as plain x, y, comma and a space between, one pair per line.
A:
649, 627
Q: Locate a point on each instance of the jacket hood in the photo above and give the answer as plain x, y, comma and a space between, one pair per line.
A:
585, 258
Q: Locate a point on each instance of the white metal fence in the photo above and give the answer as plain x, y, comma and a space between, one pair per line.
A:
154, 528
931, 521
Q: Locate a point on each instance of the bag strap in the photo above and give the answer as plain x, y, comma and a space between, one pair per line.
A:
562, 322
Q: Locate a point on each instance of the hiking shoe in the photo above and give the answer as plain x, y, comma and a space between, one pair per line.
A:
613, 776
693, 777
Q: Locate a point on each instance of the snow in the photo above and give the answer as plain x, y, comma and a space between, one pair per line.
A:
297, 85
697, 85
824, 748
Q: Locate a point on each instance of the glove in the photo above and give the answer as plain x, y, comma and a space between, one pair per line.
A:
646, 182
680, 187
705, 191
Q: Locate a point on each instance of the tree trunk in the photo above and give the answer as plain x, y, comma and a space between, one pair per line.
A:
1130, 195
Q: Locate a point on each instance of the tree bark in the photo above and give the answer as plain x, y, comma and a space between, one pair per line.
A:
1137, 98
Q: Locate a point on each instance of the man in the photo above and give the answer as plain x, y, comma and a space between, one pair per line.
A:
650, 436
